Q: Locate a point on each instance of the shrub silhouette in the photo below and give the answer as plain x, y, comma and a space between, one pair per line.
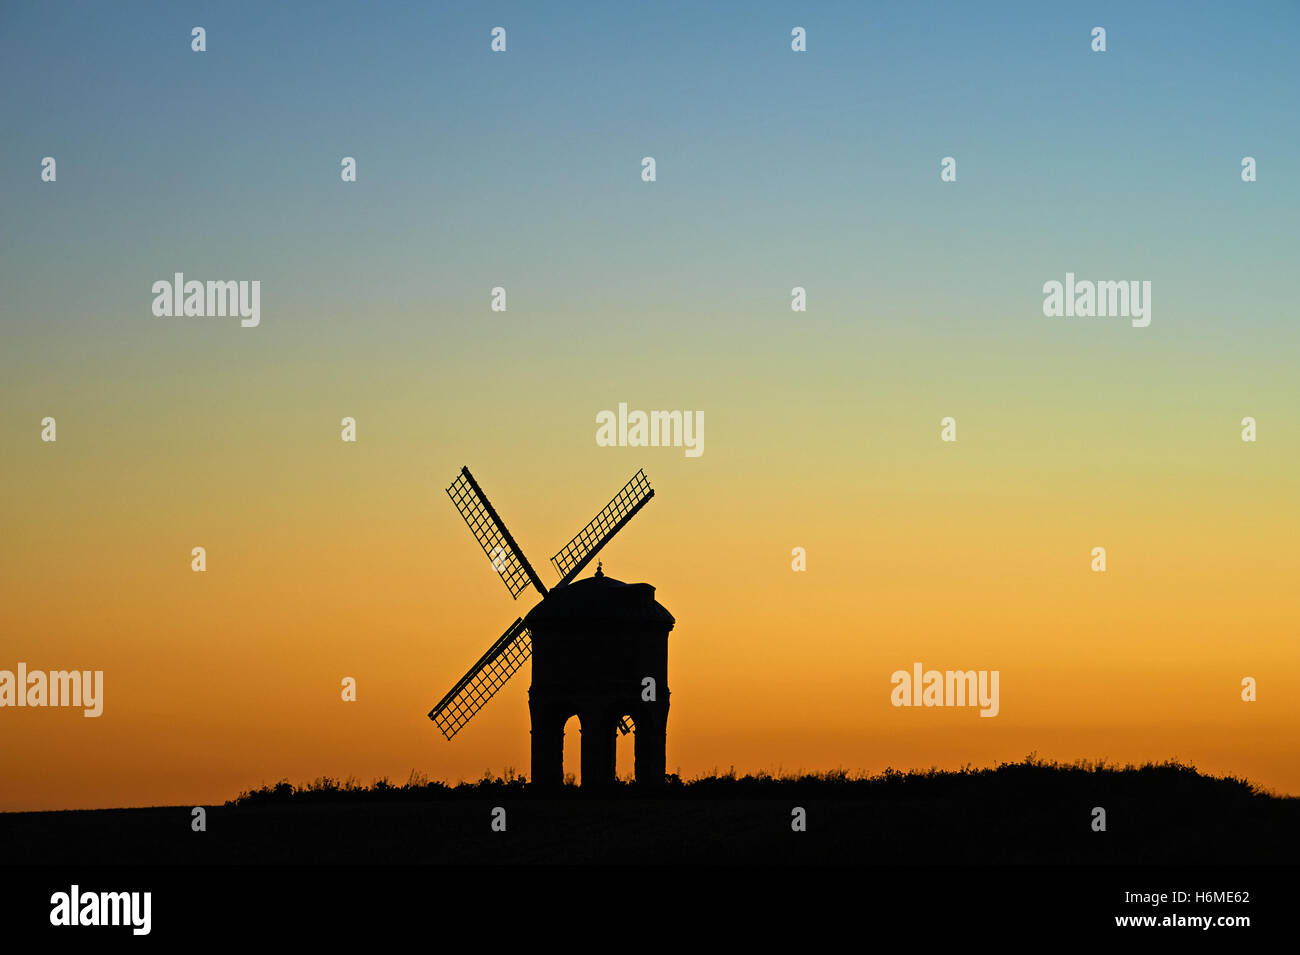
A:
1030, 775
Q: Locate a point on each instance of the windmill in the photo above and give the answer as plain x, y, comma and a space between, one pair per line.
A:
599, 646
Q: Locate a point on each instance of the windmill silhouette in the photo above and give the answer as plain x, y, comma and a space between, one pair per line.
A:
599, 646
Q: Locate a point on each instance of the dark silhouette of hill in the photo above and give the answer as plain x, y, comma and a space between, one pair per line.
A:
1027, 812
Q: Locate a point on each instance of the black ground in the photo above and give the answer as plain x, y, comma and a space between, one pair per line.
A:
1018, 813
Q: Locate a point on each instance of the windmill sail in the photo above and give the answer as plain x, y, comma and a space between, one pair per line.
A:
490, 532
587, 543
484, 679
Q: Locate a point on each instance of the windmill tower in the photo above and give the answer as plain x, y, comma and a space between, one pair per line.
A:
599, 646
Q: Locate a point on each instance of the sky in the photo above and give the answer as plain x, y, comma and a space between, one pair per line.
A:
522, 170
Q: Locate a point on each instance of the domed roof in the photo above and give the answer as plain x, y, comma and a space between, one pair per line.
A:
602, 598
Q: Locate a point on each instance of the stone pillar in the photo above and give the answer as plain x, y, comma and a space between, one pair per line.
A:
651, 746
548, 746
598, 748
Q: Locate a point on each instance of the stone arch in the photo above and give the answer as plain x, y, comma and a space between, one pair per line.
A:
571, 772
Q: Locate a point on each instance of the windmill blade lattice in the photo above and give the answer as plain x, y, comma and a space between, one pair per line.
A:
493, 670
490, 532
587, 543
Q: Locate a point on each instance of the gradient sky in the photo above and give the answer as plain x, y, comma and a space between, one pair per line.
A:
522, 170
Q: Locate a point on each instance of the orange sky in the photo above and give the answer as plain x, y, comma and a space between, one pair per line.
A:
328, 560
522, 170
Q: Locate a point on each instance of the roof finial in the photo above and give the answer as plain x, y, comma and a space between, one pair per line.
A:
599, 572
